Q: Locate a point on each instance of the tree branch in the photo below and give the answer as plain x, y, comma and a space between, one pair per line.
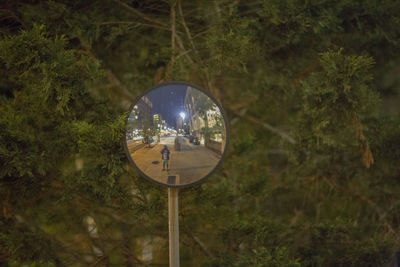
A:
182, 47
187, 31
190, 38
199, 243
138, 13
369, 202
114, 81
136, 24
173, 19
265, 125
6, 203
171, 63
59, 246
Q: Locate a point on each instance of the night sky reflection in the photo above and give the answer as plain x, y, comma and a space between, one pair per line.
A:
168, 101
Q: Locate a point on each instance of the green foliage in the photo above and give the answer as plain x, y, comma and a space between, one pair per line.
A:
260, 257
327, 242
42, 90
23, 244
311, 89
263, 257
336, 100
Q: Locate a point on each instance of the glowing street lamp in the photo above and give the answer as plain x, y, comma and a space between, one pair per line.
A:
182, 114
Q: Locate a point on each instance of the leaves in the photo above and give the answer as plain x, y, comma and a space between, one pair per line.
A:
315, 185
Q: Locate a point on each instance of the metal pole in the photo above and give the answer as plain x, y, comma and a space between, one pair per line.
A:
173, 222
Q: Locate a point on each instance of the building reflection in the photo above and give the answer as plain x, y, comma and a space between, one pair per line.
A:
140, 120
205, 120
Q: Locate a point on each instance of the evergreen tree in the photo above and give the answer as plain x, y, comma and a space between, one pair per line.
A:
311, 90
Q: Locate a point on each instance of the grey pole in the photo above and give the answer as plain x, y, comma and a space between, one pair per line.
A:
173, 222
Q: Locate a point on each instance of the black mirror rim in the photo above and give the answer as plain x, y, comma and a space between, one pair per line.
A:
227, 132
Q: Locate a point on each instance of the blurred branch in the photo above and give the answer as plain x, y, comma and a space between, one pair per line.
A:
138, 13
6, 203
190, 38
116, 84
198, 242
59, 246
354, 192
182, 47
173, 33
187, 30
136, 24
201, 33
183, 53
106, 256
171, 63
242, 114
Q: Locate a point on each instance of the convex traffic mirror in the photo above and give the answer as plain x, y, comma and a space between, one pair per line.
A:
176, 134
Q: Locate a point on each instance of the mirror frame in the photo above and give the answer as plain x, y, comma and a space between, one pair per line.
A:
226, 123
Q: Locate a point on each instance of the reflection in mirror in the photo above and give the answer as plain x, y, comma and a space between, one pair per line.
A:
175, 134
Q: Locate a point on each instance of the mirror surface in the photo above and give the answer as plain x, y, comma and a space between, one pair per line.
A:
175, 134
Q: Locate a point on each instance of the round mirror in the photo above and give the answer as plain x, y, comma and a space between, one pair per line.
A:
176, 134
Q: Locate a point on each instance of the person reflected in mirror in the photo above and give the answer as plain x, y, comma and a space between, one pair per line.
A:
165, 156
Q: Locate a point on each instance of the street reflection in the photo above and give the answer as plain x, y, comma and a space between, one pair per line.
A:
175, 134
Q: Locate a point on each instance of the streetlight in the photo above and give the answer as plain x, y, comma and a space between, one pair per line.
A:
182, 114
